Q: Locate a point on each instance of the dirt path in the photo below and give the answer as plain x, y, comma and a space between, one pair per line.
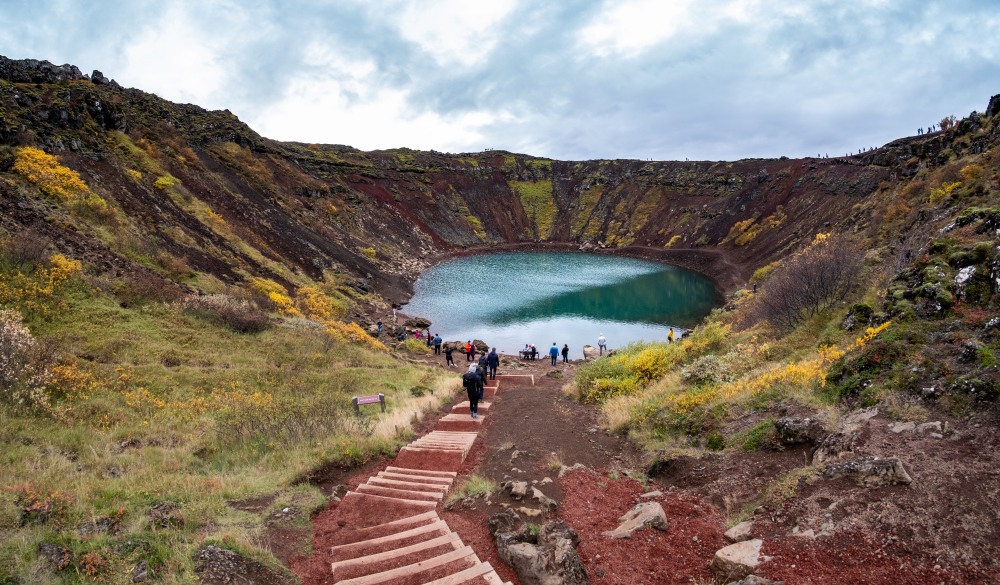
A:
942, 529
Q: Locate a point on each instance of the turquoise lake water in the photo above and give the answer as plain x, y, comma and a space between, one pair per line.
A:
511, 298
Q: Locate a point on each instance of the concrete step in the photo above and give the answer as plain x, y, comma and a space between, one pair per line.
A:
441, 481
388, 501
407, 485
370, 546
462, 556
351, 536
481, 570
449, 474
463, 407
380, 561
401, 494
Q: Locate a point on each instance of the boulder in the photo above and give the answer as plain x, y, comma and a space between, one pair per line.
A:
417, 323
516, 489
902, 427
644, 514
929, 427
870, 471
994, 106
799, 431
740, 532
736, 561
542, 499
590, 353
548, 559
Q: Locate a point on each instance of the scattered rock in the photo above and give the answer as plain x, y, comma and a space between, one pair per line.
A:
576, 466
591, 353
58, 557
642, 515
737, 561
166, 515
517, 489
740, 532
651, 495
929, 427
219, 566
902, 427
140, 573
542, 499
870, 471
800, 533
530, 512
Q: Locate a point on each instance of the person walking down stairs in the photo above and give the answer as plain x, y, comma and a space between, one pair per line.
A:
472, 384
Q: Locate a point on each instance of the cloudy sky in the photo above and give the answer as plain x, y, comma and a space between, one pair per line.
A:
572, 80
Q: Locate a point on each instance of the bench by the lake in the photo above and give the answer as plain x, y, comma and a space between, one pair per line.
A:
357, 401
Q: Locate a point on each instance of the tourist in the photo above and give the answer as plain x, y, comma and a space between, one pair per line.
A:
437, 344
670, 335
379, 328
493, 361
472, 382
468, 351
484, 365
565, 353
417, 335
554, 352
447, 356
534, 352
602, 343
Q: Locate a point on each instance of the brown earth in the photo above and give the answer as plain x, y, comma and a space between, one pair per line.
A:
942, 528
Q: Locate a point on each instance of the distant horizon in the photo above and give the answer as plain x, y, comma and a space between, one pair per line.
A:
718, 80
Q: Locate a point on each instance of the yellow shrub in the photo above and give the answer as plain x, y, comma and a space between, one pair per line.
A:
943, 193
165, 182
136, 175
38, 294
315, 304
870, 334
68, 381
284, 304
266, 286
368, 252
353, 333
55, 180
49, 176
673, 241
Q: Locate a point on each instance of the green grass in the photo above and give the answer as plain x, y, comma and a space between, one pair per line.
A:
186, 412
472, 487
536, 199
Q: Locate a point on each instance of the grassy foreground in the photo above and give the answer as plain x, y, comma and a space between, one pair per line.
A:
127, 432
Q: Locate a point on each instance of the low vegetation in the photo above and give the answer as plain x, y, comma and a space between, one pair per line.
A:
129, 433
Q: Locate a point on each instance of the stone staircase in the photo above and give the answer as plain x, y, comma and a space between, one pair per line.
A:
391, 532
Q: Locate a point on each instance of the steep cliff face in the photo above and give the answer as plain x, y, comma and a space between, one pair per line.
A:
199, 189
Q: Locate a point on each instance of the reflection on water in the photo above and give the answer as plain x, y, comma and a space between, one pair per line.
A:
512, 298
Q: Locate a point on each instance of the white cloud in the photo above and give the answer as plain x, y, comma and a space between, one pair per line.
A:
629, 28
453, 31
355, 111
176, 61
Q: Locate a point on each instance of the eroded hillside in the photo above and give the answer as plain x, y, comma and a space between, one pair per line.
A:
192, 191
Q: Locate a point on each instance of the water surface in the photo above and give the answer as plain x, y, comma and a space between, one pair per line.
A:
508, 299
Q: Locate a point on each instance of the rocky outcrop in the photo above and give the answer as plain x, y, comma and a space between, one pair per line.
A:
870, 471
798, 431
740, 532
550, 558
840, 444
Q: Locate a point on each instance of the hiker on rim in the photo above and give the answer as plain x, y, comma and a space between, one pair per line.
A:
379, 326
565, 353
472, 384
470, 352
670, 335
437, 344
554, 352
447, 356
492, 361
602, 343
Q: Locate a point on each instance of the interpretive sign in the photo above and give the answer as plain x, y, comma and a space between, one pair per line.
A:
357, 401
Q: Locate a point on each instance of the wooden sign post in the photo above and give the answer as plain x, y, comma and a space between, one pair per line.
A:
357, 401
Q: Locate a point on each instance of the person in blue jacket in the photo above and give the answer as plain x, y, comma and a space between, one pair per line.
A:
554, 353
493, 361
